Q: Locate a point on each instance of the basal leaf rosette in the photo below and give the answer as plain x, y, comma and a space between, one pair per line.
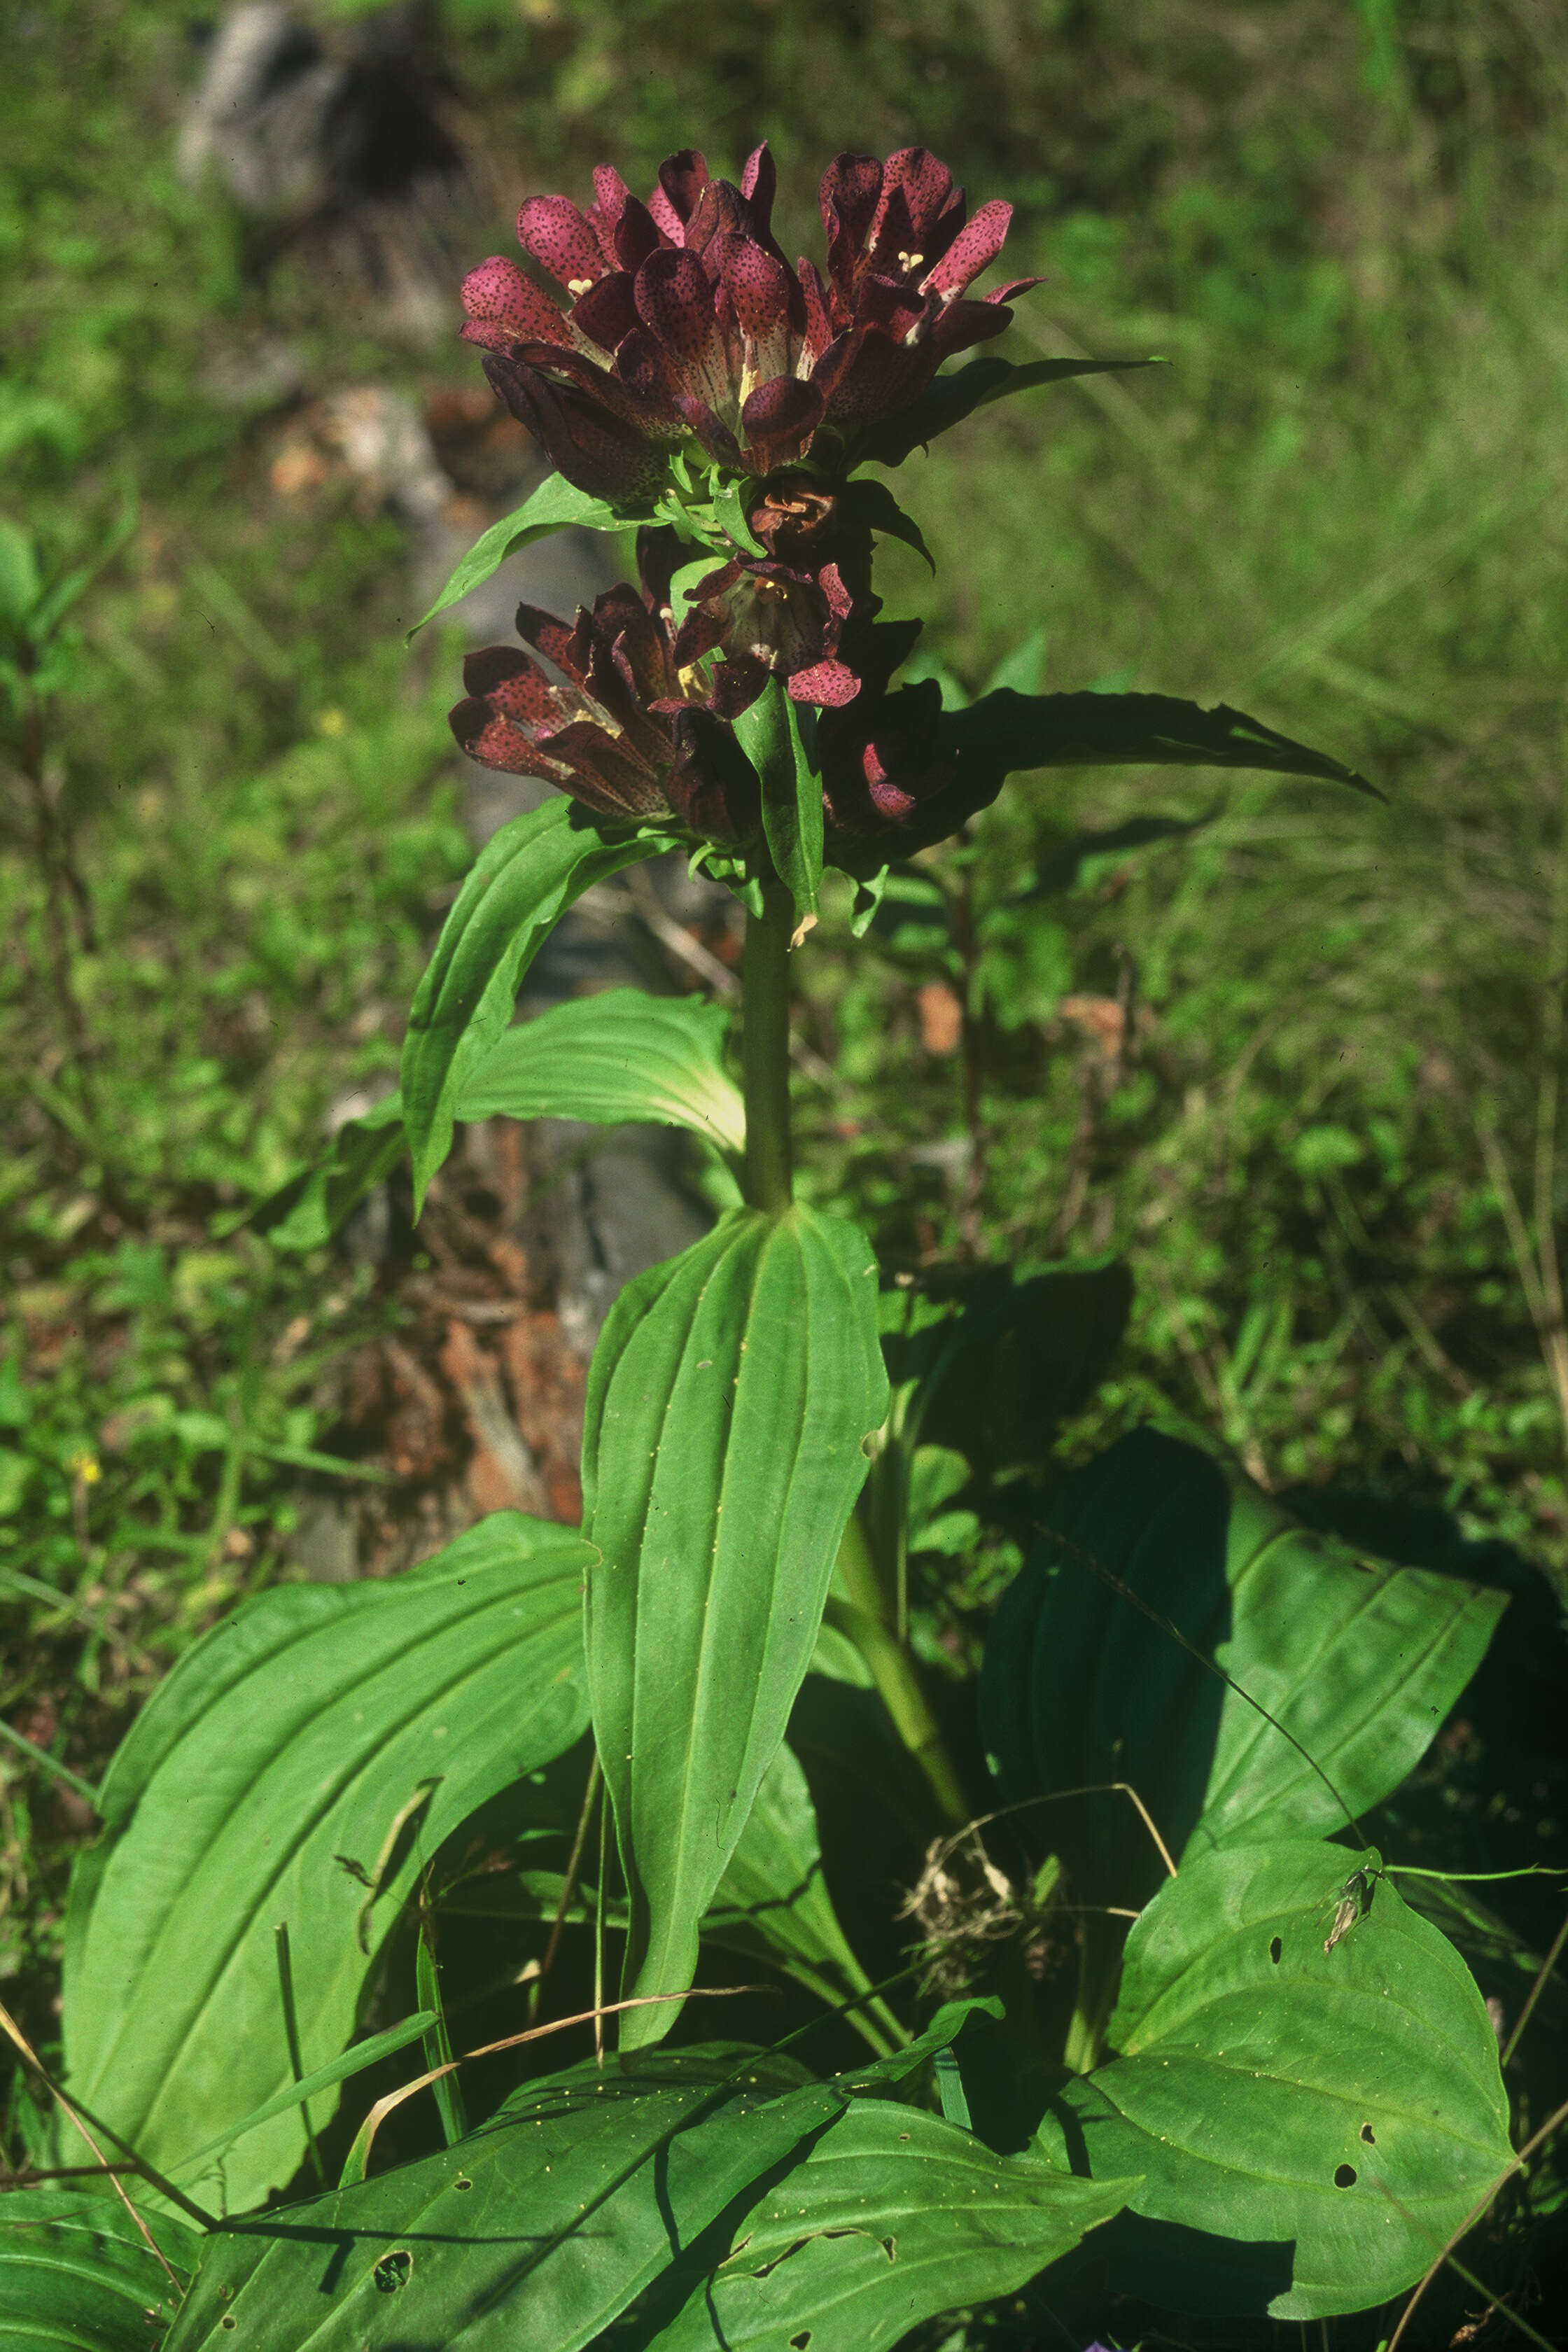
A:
684, 323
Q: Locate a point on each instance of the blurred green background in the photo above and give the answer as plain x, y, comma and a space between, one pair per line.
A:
1298, 1062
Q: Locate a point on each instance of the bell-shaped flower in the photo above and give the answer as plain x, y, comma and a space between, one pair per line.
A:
602, 709
682, 319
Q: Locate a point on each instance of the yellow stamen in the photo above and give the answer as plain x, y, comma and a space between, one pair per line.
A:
578, 285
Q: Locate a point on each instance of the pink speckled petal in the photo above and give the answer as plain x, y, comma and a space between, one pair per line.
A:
829, 684
720, 212
682, 180
779, 420
548, 634
675, 297
500, 743
848, 198
1014, 287
514, 686
973, 249
554, 233
585, 440
759, 286
504, 307
606, 776
818, 327
917, 187
759, 184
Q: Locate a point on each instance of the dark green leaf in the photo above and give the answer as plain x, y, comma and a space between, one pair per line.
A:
555, 504
77, 2273
1005, 733
537, 2230
1335, 2114
524, 878
1357, 1659
728, 1402
773, 1900
951, 398
322, 1736
770, 735
871, 504
939, 2035
892, 2217
619, 1056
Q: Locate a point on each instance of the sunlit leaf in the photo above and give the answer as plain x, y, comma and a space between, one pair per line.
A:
770, 734
76, 2272
727, 1404
622, 1054
951, 398
1332, 2114
1358, 1659
296, 1765
524, 878
554, 505
893, 2217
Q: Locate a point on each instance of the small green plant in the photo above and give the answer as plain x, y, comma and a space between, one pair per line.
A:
1189, 1701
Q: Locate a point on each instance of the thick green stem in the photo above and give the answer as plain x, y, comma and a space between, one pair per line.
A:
764, 1048
863, 1618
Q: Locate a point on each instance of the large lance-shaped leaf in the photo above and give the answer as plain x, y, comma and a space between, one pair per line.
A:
524, 878
728, 1403
555, 505
539, 2229
1358, 1659
1006, 733
893, 2217
1332, 2114
322, 1735
77, 2273
622, 1055
951, 398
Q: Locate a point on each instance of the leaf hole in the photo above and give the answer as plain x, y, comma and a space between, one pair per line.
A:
891, 2248
1368, 2134
461, 2182
801, 2341
228, 2320
393, 2271
1344, 2176
1275, 1948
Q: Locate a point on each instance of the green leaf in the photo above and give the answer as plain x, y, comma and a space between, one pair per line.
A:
1335, 2114
304, 1213
554, 505
770, 735
19, 584
622, 1055
772, 1901
730, 508
1357, 1659
321, 2078
893, 2217
871, 504
939, 2035
76, 2272
1021, 668
1011, 732
728, 1402
951, 398
524, 878
323, 1736
538, 2229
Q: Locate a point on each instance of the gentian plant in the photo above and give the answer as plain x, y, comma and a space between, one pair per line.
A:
1163, 2024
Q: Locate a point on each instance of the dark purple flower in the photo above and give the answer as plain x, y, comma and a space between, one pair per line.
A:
683, 317
620, 729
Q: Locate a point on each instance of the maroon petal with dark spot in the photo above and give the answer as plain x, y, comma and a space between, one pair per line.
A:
554, 233
973, 249
759, 183
759, 287
916, 188
583, 440
607, 313
715, 437
779, 419
675, 300
498, 742
848, 198
637, 235
549, 635
818, 318
607, 778
682, 180
504, 307
963, 325
611, 197
829, 684
515, 686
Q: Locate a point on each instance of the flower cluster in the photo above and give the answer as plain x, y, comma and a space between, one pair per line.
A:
684, 319
681, 365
